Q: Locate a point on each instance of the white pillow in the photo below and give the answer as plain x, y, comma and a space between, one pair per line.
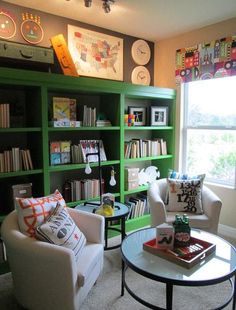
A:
185, 195
60, 229
32, 211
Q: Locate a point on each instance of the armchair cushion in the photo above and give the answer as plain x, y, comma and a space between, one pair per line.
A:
34, 211
60, 229
185, 195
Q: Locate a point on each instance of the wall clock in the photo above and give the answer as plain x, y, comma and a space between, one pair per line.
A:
141, 52
140, 75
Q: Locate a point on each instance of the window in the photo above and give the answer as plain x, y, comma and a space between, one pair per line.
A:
209, 129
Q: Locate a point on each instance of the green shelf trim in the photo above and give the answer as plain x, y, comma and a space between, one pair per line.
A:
57, 82
108, 128
130, 160
28, 129
137, 190
148, 128
60, 168
131, 225
79, 202
20, 173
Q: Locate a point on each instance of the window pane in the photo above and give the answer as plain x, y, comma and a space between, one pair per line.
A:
212, 102
212, 152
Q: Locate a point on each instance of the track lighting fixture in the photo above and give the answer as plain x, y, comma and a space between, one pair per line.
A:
106, 4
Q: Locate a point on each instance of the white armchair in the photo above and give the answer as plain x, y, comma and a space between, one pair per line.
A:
207, 221
47, 276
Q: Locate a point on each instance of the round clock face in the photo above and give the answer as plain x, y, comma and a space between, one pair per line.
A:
141, 52
140, 75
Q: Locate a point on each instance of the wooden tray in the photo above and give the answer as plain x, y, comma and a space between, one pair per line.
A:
188, 260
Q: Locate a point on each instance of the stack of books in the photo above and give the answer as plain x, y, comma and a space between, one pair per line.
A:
4, 115
15, 159
138, 206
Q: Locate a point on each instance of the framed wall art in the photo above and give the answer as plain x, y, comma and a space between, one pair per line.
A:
159, 116
96, 54
139, 115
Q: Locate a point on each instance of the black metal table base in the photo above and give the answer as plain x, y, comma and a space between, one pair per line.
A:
169, 293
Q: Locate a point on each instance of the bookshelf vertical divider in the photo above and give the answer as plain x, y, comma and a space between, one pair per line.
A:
32, 92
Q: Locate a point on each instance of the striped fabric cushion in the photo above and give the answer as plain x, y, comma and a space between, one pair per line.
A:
60, 229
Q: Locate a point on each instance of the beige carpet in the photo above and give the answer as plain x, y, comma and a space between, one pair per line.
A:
105, 295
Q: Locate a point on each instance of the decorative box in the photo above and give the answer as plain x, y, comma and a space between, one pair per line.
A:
165, 236
131, 174
132, 185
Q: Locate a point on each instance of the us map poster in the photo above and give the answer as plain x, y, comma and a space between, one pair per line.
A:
96, 54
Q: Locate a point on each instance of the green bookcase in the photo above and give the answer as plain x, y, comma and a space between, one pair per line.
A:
31, 93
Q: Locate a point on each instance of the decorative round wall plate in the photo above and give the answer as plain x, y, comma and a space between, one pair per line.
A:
7, 26
140, 75
32, 31
141, 52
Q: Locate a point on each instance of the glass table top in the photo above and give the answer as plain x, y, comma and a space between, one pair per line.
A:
217, 266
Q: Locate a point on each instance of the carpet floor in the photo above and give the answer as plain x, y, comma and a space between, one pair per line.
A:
105, 295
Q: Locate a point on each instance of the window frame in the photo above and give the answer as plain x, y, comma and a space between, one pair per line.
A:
184, 137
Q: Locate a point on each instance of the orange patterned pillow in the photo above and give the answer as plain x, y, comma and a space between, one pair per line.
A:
34, 211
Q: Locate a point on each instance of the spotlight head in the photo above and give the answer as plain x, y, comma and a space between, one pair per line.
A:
87, 3
106, 7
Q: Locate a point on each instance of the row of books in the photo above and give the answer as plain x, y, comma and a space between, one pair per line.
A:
74, 190
89, 116
4, 115
64, 109
137, 148
15, 159
138, 206
62, 152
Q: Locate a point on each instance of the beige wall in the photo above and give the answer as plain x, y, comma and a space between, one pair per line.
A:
164, 76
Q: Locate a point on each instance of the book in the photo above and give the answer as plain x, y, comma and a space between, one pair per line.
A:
65, 157
65, 146
61, 108
55, 159
55, 147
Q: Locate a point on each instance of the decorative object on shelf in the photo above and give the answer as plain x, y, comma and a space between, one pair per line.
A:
112, 180
63, 55
140, 75
141, 52
139, 115
31, 28
7, 25
106, 4
96, 54
148, 175
159, 116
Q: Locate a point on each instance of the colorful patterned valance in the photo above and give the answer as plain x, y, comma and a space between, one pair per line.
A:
206, 61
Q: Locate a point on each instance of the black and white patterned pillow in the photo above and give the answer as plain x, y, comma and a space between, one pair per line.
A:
185, 195
60, 229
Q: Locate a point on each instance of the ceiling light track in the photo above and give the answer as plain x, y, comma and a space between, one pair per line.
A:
106, 4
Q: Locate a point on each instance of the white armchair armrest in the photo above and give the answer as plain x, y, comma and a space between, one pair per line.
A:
92, 225
156, 203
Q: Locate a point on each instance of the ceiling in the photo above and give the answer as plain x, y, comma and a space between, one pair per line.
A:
152, 20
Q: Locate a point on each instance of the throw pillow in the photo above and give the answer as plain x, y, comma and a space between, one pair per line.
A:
60, 229
173, 174
34, 211
185, 195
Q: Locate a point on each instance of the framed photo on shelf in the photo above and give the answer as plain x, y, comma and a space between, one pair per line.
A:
139, 115
159, 116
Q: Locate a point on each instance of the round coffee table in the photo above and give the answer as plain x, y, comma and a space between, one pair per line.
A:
218, 267
120, 213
